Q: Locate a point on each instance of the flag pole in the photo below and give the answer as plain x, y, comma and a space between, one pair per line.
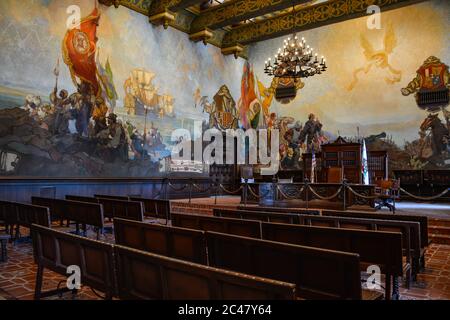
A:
56, 73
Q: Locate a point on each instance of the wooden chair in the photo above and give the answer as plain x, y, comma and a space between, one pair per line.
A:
422, 234
143, 275
387, 192
318, 273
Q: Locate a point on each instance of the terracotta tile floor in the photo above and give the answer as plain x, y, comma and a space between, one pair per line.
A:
17, 276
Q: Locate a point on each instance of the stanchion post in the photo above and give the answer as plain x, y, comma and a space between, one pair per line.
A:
215, 196
245, 192
344, 194
307, 194
164, 189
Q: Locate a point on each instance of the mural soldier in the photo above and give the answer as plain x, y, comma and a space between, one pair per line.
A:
310, 130
117, 144
224, 114
61, 103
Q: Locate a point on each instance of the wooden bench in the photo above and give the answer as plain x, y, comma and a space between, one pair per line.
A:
152, 207
409, 230
83, 213
383, 249
318, 273
245, 228
257, 215
131, 210
56, 207
127, 273
82, 199
184, 244
423, 220
4, 238
123, 198
143, 275
155, 208
56, 251
281, 210
24, 215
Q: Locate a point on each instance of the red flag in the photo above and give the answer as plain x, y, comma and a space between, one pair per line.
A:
248, 94
79, 47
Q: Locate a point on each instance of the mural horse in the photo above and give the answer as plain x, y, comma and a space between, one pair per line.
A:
439, 132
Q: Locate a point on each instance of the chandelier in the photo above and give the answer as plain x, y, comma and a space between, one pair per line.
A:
295, 60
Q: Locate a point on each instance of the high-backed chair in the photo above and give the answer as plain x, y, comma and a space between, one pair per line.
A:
335, 175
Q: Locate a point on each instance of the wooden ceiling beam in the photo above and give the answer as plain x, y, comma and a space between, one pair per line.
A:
235, 11
158, 6
164, 11
141, 6
318, 15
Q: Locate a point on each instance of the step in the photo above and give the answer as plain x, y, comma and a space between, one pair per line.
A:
439, 239
438, 230
439, 222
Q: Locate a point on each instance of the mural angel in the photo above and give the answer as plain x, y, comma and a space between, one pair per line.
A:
378, 59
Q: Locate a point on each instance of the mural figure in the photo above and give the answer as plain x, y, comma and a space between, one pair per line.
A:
440, 134
222, 112
311, 132
249, 104
106, 78
378, 59
142, 97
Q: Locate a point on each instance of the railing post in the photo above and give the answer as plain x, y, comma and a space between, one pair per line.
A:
307, 194
344, 194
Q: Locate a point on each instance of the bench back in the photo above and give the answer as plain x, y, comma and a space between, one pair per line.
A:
25, 214
85, 212
423, 220
57, 250
318, 273
185, 244
155, 208
56, 206
375, 247
143, 275
28, 214
281, 210
245, 228
256, 215
132, 274
131, 210
81, 212
82, 199
123, 198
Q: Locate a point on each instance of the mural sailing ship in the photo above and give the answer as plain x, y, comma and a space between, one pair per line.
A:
142, 97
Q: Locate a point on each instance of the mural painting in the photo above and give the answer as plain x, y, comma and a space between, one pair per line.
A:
363, 94
103, 99
107, 102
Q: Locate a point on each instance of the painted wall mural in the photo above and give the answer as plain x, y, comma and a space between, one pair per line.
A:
101, 99
364, 92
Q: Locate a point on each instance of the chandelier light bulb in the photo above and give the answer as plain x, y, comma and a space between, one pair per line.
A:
295, 60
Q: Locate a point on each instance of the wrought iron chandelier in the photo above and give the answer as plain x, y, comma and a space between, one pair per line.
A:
295, 60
